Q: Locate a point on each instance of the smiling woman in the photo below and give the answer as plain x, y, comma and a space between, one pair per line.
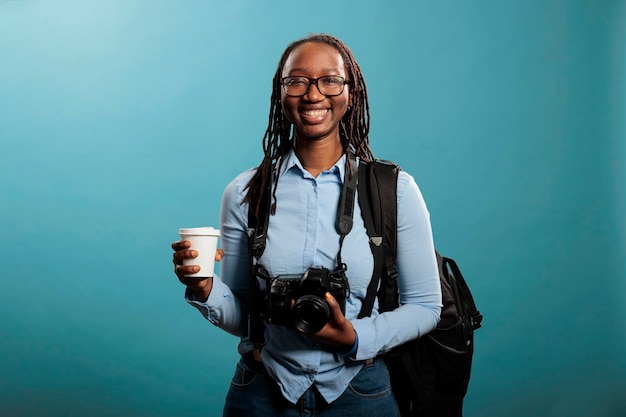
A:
318, 133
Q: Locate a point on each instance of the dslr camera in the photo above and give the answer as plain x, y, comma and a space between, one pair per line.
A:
307, 293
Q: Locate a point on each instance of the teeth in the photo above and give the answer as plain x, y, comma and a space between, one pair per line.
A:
315, 113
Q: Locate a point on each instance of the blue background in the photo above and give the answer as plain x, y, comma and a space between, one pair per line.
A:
121, 121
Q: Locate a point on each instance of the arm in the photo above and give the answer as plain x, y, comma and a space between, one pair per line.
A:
226, 296
418, 280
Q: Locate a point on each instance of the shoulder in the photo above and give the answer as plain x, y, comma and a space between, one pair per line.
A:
405, 182
236, 188
408, 190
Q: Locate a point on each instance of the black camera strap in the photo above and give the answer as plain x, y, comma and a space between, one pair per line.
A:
257, 235
345, 211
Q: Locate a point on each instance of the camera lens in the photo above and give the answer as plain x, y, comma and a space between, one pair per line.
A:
310, 313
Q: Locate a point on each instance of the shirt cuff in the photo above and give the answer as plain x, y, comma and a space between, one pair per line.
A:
209, 309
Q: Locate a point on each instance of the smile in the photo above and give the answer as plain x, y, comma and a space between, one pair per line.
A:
315, 113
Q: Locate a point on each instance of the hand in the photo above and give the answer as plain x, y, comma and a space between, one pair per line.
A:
339, 330
200, 287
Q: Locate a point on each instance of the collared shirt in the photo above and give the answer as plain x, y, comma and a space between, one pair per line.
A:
302, 234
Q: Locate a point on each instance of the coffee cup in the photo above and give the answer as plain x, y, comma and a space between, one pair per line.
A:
204, 241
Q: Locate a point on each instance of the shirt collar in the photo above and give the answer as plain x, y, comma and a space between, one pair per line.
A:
291, 161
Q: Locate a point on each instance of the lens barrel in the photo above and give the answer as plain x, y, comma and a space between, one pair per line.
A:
310, 313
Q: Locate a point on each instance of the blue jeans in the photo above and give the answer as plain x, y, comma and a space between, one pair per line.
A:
253, 393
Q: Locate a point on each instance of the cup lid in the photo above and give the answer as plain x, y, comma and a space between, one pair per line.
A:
199, 231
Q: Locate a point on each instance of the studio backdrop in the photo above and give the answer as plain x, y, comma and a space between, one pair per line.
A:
122, 121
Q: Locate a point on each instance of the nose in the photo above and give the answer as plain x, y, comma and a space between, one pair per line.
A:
314, 93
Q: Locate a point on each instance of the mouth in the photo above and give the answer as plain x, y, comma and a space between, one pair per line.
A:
315, 113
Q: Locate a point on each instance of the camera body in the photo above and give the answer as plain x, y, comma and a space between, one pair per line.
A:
307, 294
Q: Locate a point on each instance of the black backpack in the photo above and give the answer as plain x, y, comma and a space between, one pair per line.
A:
429, 375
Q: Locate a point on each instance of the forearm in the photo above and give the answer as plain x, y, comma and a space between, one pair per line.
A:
379, 334
221, 307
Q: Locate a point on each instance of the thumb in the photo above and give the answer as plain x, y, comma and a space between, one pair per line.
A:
335, 310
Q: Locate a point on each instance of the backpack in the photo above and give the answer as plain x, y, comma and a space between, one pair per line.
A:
429, 375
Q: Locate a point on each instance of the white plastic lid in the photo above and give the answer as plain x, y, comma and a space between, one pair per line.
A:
199, 231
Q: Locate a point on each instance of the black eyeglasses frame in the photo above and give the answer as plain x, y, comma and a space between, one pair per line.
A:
314, 81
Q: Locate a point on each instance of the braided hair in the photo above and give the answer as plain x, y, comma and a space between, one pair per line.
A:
277, 141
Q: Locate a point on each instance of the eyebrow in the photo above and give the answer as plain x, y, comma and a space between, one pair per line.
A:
327, 69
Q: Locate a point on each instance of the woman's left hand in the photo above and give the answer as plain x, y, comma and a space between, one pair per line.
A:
339, 330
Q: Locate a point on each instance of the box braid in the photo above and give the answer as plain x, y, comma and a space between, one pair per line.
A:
277, 141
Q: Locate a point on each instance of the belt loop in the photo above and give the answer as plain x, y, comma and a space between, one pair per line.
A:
256, 354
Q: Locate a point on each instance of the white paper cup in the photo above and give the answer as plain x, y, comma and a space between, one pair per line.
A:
203, 240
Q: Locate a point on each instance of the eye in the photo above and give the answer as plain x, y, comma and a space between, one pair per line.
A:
332, 80
295, 81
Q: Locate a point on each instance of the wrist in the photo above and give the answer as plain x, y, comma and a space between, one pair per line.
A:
353, 348
202, 290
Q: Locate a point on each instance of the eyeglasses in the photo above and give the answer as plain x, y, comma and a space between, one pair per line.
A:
329, 85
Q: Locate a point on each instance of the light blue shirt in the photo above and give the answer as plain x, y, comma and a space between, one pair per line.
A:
302, 234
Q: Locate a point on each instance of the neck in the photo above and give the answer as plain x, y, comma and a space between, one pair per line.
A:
317, 156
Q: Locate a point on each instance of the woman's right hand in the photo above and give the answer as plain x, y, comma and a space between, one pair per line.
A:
201, 287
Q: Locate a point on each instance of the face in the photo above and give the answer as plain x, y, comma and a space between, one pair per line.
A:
313, 115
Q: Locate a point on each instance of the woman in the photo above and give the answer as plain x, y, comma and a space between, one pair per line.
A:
319, 112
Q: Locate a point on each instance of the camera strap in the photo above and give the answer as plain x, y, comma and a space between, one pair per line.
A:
257, 236
257, 231
345, 212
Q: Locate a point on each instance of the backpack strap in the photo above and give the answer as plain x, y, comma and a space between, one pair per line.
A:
370, 209
378, 201
462, 293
